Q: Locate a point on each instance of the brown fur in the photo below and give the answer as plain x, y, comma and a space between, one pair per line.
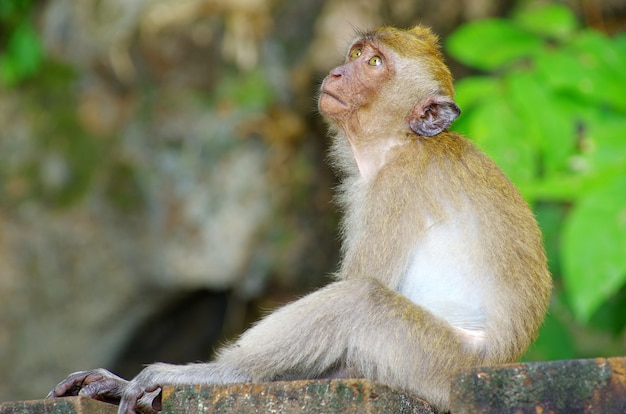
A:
443, 266
423, 182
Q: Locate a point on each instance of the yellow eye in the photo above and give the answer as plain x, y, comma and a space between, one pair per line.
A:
355, 53
375, 61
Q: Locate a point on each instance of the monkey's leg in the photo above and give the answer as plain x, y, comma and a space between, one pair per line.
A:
363, 327
357, 323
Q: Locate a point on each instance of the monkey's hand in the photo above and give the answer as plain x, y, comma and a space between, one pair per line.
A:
142, 391
103, 385
98, 384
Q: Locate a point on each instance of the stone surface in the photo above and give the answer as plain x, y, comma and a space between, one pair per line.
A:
69, 405
572, 386
317, 396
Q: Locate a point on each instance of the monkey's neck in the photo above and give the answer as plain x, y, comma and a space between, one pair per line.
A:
373, 154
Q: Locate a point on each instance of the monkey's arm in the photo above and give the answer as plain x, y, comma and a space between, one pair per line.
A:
357, 324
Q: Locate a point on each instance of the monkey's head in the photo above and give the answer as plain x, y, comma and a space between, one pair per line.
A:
392, 80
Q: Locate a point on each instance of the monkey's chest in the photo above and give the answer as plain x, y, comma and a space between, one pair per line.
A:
446, 276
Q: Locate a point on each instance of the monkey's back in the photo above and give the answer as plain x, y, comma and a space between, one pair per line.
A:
477, 258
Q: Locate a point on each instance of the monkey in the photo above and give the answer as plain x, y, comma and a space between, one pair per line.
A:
443, 265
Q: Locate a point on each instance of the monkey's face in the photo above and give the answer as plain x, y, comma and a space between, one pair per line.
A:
357, 82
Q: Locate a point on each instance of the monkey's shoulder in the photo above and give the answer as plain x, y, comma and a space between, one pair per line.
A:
448, 156
449, 145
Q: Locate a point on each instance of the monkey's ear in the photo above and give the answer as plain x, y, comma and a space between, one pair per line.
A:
433, 115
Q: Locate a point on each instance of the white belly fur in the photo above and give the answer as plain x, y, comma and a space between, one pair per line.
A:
446, 275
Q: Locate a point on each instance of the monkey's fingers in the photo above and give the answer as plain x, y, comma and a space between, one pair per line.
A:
137, 396
150, 403
76, 382
107, 389
72, 385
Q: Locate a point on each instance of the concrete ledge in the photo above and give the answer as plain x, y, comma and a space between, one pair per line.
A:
307, 397
590, 386
68, 405
573, 386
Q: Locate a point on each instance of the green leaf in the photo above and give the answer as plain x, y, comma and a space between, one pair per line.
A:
492, 43
590, 67
620, 42
611, 316
604, 142
23, 55
498, 131
594, 248
550, 127
14, 9
473, 90
604, 63
554, 342
562, 71
552, 20
550, 217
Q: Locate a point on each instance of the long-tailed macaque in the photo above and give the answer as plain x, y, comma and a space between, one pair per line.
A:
443, 265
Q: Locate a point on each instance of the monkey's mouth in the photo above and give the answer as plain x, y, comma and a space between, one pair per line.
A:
335, 97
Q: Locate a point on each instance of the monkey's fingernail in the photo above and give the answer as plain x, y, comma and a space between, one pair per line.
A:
85, 392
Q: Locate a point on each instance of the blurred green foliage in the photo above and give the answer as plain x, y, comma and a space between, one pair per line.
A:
249, 90
550, 107
20, 47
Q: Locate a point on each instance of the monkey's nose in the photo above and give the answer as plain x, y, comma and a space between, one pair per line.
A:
337, 72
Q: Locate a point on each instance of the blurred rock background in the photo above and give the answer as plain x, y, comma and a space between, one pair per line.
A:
162, 175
